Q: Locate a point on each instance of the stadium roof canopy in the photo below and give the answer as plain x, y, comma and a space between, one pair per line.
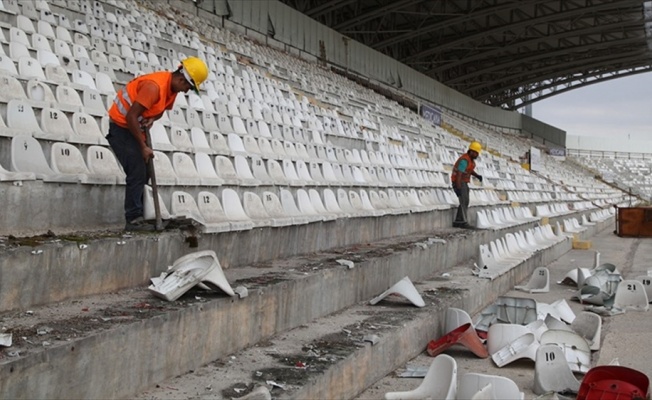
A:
506, 53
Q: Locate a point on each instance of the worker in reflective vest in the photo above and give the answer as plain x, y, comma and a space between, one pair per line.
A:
463, 169
135, 108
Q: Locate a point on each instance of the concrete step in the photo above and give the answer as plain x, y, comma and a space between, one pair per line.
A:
119, 344
329, 358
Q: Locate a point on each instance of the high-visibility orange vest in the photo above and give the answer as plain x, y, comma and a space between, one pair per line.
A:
466, 175
126, 96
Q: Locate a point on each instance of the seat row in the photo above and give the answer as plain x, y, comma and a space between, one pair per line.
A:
68, 164
282, 209
503, 254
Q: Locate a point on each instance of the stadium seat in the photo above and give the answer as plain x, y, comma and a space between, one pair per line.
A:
165, 174
180, 139
55, 125
102, 161
184, 206
185, 170
234, 211
215, 220
67, 160
86, 130
275, 210
27, 156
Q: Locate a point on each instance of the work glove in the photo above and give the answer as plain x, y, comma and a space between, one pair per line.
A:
479, 178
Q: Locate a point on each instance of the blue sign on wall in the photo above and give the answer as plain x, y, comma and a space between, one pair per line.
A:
431, 113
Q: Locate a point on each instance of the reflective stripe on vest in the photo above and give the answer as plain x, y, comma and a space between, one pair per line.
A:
126, 96
118, 103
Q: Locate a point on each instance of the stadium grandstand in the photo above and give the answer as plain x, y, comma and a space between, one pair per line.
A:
310, 173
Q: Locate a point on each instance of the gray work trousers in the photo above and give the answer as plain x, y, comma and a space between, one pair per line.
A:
463, 208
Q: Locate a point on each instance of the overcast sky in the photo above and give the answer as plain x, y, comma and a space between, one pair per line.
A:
620, 106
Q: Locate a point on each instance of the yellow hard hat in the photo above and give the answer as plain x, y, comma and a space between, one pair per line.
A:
195, 71
475, 146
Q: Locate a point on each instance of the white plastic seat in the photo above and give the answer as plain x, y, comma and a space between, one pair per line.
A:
501, 387
575, 348
20, 116
185, 170
234, 211
243, 171
180, 139
551, 372
253, 206
184, 206
86, 129
27, 156
45, 29
200, 268
7, 66
30, 68
214, 218
56, 74
589, 326
218, 143
102, 161
55, 125
165, 173
39, 93
11, 88
104, 84
199, 141
539, 281
17, 35
206, 170
82, 80
226, 171
440, 382
405, 288
63, 34
290, 208
67, 160
46, 58
631, 296
524, 346
176, 117
40, 42
275, 210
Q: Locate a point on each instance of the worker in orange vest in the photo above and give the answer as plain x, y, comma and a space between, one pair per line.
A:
135, 108
463, 169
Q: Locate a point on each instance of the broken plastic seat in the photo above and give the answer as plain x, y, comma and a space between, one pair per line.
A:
631, 295
455, 318
515, 310
613, 382
501, 388
148, 205
552, 373
539, 282
575, 348
646, 280
200, 268
440, 382
524, 346
464, 335
589, 326
405, 288
499, 335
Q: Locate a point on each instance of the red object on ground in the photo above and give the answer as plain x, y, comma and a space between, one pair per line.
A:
464, 335
613, 382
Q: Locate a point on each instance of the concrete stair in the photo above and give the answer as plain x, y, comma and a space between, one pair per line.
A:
122, 343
